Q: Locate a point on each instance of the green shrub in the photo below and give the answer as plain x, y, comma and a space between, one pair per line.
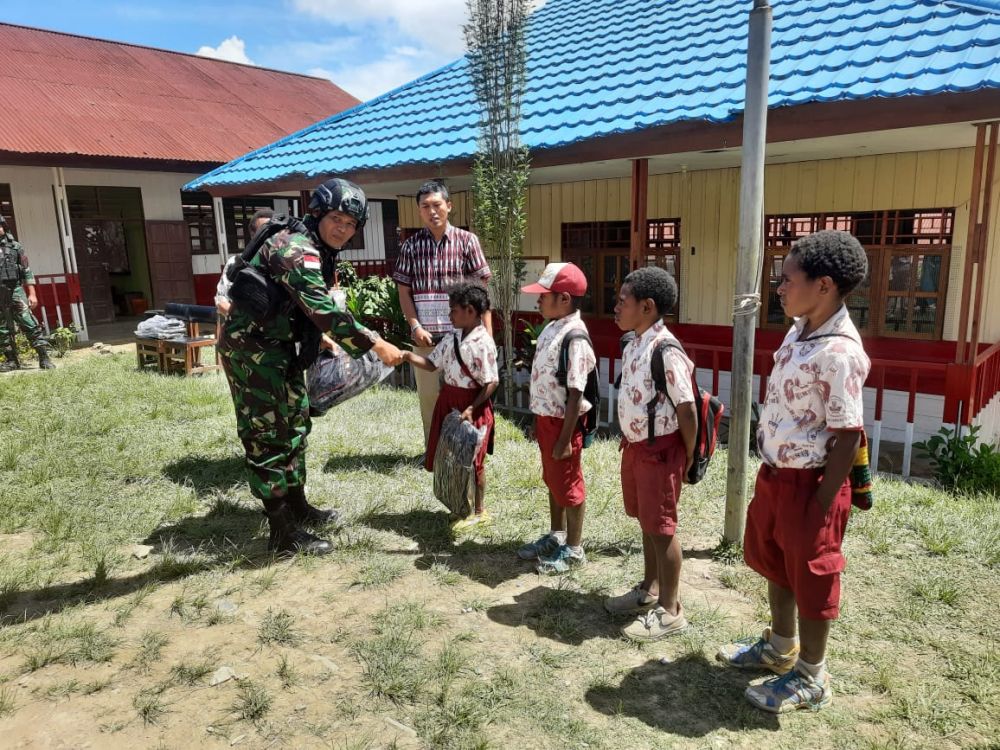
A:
24, 351
375, 301
961, 462
62, 339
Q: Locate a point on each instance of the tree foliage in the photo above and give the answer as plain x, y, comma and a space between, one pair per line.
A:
494, 37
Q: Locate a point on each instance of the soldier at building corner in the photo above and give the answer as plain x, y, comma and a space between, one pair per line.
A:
16, 306
281, 307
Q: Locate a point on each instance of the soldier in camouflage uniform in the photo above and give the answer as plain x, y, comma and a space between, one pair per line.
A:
15, 275
266, 374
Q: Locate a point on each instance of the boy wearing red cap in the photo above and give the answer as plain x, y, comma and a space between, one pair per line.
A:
557, 408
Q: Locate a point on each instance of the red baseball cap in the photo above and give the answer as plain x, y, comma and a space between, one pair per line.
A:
559, 277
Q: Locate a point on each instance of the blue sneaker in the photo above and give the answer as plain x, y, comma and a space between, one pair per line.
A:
759, 654
560, 561
545, 545
790, 692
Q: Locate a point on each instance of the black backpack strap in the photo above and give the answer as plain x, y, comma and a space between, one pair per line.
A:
562, 369
277, 224
828, 336
461, 363
587, 422
660, 382
623, 342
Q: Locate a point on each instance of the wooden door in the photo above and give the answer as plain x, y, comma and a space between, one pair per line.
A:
614, 268
169, 249
96, 243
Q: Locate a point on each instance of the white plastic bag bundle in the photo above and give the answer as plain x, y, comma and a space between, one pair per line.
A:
335, 377
454, 470
160, 327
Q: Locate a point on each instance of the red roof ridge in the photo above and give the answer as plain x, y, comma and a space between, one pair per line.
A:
168, 51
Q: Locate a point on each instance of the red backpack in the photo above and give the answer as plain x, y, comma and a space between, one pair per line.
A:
709, 413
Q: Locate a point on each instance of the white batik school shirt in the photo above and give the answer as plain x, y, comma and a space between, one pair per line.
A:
548, 398
478, 352
815, 388
637, 388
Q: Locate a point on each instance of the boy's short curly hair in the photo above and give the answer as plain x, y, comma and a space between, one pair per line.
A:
653, 282
471, 294
833, 253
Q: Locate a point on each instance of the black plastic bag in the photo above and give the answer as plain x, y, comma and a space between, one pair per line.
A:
335, 377
454, 464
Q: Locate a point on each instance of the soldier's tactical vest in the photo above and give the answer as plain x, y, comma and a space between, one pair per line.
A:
10, 271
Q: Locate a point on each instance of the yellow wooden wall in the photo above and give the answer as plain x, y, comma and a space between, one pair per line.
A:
707, 204
927, 179
991, 291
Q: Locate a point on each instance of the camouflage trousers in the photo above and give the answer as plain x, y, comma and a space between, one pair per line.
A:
23, 318
272, 414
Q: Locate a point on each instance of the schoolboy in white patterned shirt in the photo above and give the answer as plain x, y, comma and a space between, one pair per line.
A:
557, 411
652, 473
810, 431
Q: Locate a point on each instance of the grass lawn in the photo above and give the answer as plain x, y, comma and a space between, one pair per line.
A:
403, 638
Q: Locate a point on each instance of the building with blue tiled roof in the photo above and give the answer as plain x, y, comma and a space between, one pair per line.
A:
632, 113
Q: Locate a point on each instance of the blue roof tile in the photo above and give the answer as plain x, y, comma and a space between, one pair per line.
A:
600, 67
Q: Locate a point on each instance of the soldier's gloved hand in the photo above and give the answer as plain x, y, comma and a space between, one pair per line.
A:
388, 353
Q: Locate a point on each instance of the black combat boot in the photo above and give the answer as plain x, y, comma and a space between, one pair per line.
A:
44, 363
286, 537
308, 514
8, 364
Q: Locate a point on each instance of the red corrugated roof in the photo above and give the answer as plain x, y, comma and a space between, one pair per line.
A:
67, 94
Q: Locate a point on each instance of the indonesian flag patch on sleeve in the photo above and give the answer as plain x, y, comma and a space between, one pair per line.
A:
311, 261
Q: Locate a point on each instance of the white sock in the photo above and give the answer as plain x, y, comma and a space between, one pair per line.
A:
559, 535
813, 670
783, 644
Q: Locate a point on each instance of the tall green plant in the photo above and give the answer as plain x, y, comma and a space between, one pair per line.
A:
494, 38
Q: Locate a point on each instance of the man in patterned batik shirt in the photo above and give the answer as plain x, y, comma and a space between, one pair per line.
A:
430, 263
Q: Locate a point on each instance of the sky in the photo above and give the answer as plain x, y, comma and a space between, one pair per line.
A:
366, 47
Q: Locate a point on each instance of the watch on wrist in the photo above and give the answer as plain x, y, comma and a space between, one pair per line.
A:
414, 327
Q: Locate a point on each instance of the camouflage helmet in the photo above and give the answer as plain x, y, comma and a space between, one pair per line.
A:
340, 195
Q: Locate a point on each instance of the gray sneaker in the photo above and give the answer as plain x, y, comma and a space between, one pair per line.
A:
655, 624
541, 547
560, 561
635, 600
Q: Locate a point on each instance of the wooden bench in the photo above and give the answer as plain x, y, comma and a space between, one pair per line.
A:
182, 355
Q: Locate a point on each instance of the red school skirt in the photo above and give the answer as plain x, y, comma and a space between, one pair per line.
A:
451, 398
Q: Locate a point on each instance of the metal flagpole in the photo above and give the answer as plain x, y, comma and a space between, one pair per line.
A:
749, 265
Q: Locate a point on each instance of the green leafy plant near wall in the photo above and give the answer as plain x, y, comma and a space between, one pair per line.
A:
961, 462
528, 342
375, 302
62, 339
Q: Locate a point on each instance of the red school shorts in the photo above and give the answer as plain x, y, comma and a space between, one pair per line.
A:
563, 478
652, 476
792, 543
